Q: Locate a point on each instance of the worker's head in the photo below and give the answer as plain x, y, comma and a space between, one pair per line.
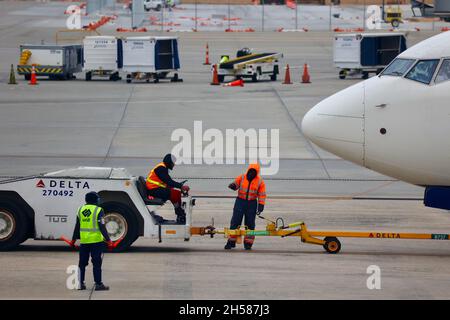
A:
92, 198
243, 52
251, 174
169, 160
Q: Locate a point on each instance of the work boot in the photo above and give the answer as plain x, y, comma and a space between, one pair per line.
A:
181, 219
101, 287
247, 246
230, 245
82, 286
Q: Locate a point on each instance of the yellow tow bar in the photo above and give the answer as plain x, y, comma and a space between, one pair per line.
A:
330, 241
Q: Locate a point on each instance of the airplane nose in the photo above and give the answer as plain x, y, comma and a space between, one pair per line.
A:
336, 124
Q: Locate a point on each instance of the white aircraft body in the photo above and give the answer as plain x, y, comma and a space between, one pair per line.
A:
397, 123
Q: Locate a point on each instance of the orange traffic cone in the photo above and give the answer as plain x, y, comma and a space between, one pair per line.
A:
207, 55
305, 76
215, 80
235, 83
33, 80
287, 76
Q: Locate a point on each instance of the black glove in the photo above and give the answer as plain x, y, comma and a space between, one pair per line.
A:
233, 186
260, 209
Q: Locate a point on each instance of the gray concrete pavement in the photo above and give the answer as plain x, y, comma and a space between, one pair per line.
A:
64, 124
276, 268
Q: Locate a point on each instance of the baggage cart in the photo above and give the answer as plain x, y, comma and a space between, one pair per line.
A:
102, 57
150, 58
364, 53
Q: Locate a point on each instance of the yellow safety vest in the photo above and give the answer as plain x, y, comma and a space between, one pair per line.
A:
89, 228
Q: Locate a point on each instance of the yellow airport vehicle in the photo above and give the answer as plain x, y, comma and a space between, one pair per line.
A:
328, 239
255, 66
394, 16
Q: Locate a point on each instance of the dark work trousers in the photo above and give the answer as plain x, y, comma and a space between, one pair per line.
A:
173, 195
95, 250
161, 193
244, 209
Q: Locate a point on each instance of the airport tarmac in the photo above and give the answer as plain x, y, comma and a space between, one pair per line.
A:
275, 269
63, 124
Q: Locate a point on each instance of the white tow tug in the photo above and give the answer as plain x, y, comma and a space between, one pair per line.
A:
44, 207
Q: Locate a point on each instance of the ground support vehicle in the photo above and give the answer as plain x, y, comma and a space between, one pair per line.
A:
44, 207
55, 61
151, 58
253, 66
364, 53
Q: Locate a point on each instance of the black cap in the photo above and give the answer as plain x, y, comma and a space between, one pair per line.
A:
169, 161
92, 197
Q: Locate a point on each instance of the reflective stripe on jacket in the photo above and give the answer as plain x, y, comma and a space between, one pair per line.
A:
153, 181
89, 228
254, 190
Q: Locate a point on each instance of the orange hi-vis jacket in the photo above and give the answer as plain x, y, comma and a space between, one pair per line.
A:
254, 190
153, 181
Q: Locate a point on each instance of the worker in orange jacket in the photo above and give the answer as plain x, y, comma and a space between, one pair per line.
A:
160, 185
250, 202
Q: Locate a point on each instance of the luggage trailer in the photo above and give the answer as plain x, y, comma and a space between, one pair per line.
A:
151, 58
364, 53
102, 57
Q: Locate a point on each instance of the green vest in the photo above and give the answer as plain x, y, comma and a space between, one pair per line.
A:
89, 229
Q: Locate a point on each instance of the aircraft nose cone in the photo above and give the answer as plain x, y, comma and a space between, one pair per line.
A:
336, 124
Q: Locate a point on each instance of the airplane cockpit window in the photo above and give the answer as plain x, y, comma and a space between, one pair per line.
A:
398, 67
444, 72
423, 71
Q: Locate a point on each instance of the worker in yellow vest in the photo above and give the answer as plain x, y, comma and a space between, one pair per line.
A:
224, 59
90, 229
160, 185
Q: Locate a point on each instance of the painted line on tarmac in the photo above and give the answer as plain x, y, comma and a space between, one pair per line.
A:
165, 101
285, 107
280, 197
118, 125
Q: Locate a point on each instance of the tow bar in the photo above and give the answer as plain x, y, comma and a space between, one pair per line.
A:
330, 241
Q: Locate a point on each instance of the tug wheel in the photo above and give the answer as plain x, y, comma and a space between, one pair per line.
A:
332, 245
120, 223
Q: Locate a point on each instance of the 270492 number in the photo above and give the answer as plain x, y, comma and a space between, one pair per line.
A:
57, 193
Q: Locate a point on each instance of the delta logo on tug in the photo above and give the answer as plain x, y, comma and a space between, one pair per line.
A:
40, 184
